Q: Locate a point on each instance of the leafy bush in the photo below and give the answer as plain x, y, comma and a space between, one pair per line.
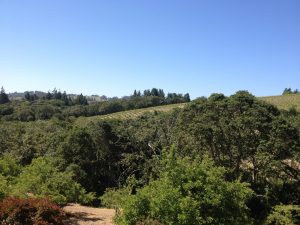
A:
284, 215
9, 167
16, 211
188, 192
3, 186
149, 221
42, 179
113, 198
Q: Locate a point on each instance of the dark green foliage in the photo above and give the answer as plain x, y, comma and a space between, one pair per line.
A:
247, 136
30, 97
16, 211
188, 192
81, 100
6, 109
93, 156
3, 97
187, 97
290, 91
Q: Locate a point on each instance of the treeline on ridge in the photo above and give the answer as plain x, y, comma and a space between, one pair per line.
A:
62, 106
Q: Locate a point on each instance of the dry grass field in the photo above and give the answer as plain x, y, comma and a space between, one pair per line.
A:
284, 101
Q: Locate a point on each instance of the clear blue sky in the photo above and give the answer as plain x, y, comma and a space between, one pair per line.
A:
113, 47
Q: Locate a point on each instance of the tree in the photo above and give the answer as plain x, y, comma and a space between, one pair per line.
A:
248, 137
81, 100
27, 96
154, 92
187, 97
30, 97
284, 215
287, 91
147, 92
188, 192
161, 93
42, 179
59, 95
67, 100
48, 96
3, 97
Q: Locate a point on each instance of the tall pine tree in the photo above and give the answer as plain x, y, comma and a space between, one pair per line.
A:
3, 96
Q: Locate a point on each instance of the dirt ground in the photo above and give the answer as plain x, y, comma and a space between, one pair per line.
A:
83, 215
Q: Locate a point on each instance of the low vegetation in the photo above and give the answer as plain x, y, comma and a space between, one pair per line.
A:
286, 101
16, 211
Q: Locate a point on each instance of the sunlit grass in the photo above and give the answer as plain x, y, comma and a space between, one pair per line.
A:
81, 121
284, 101
281, 101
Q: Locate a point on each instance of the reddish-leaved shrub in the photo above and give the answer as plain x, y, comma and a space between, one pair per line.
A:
16, 211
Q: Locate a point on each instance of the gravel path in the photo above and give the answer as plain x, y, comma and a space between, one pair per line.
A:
83, 215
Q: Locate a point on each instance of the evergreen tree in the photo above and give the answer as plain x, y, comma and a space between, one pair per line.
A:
54, 93
81, 100
187, 97
49, 96
3, 97
30, 97
161, 93
154, 92
27, 96
147, 92
135, 93
287, 91
35, 97
59, 95
67, 100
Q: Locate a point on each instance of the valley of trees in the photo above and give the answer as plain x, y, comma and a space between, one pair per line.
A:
219, 160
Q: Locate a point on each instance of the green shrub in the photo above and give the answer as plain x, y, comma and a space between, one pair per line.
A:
3, 186
188, 192
113, 198
42, 179
9, 167
15, 211
284, 215
149, 221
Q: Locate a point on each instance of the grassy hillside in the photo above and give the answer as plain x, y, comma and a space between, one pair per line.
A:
81, 121
284, 101
281, 101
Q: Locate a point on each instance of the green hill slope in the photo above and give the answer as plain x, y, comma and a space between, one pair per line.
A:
81, 121
284, 101
281, 101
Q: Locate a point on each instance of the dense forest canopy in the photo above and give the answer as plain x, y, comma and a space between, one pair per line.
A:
218, 160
